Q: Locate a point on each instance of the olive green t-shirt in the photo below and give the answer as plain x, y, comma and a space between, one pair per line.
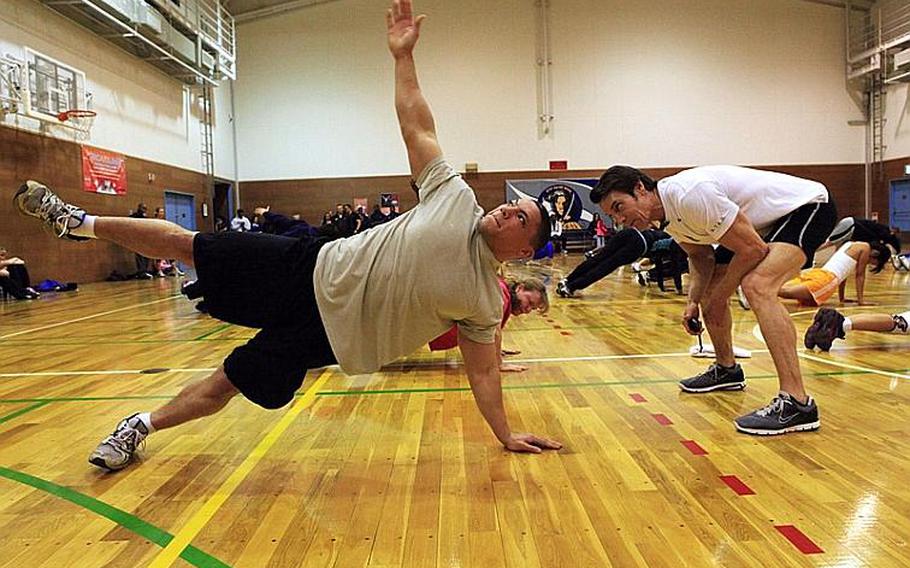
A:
389, 290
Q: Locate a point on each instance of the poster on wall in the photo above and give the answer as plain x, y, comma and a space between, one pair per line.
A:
567, 200
103, 171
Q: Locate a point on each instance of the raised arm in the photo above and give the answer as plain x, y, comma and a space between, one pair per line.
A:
414, 116
861, 264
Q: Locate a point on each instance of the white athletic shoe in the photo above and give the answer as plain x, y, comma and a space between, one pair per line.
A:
741, 296
36, 200
117, 450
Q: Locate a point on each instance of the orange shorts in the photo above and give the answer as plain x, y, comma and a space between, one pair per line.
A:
820, 282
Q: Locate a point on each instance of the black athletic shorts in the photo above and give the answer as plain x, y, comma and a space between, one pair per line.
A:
266, 282
806, 227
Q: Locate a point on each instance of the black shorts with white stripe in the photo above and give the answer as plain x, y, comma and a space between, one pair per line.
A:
806, 227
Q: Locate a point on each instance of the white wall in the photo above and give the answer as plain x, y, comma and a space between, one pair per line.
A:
897, 125
646, 82
141, 112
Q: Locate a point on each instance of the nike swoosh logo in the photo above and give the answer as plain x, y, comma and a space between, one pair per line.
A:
786, 420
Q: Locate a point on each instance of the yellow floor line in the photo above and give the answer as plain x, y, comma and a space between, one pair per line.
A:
189, 531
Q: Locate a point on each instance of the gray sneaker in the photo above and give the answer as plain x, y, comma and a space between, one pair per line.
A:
36, 200
782, 416
117, 450
715, 378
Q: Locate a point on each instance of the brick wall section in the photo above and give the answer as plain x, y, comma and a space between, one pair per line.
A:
58, 164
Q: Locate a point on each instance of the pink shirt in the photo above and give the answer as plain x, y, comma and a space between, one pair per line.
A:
449, 339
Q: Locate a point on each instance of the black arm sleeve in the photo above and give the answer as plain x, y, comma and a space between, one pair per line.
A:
625, 247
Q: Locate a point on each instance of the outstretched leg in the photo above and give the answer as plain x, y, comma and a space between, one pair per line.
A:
153, 238
197, 400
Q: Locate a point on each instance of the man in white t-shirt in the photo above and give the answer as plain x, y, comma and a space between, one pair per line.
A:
241, 223
767, 225
362, 302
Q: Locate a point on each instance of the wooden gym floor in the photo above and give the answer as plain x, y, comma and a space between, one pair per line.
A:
398, 468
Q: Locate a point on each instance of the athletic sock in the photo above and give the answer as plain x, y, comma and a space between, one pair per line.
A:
146, 419
86, 228
847, 325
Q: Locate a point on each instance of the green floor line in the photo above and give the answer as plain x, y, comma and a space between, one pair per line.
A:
86, 398
43, 342
218, 329
130, 522
22, 411
642, 382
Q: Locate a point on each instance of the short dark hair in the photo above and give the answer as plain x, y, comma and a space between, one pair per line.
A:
542, 236
622, 179
884, 255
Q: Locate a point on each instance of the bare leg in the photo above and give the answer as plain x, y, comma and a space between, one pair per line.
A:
719, 322
152, 238
872, 322
761, 287
197, 400
798, 292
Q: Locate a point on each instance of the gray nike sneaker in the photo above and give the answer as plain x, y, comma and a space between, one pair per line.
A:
782, 416
715, 378
117, 450
36, 200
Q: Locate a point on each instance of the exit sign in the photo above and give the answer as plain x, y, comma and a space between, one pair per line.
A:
559, 164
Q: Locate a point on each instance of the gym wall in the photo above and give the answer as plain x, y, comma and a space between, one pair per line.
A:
897, 122
141, 111
58, 163
312, 197
651, 83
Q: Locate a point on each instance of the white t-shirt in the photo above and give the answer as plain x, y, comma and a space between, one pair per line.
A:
701, 204
389, 290
241, 224
841, 264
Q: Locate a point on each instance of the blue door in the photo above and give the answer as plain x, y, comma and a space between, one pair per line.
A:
900, 204
180, 208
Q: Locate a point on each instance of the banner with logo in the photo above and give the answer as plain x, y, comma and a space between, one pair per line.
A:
567, 200
103, 171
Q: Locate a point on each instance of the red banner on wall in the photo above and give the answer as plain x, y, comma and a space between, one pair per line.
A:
103, 171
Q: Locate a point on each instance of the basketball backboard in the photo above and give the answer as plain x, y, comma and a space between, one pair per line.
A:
53, 87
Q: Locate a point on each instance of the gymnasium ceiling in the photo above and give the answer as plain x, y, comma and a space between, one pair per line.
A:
245, 10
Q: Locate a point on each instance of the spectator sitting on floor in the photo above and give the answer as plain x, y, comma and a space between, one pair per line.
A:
14, 277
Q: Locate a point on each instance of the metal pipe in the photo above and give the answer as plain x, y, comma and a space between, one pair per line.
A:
146, 41
277, 9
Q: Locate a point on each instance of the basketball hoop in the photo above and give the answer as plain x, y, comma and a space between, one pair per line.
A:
78, 119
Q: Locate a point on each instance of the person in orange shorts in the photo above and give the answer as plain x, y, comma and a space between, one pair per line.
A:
813, 287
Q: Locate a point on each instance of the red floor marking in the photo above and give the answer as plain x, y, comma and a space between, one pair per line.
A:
737, 485
694, 447
638, 398
662, 420
803, 543
566, 332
